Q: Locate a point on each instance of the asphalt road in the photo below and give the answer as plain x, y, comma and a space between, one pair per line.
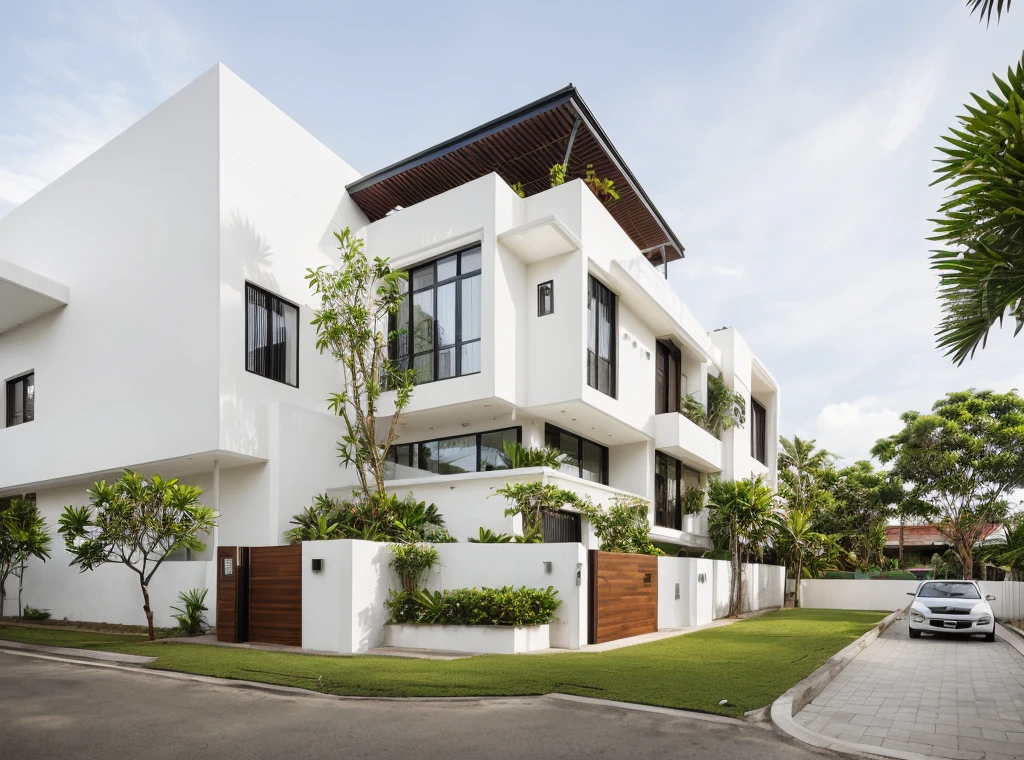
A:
59, 710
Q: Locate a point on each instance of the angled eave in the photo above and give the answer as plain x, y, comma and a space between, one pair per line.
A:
25, 295
521, 147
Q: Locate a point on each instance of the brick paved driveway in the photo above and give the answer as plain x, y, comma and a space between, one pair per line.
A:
943, 697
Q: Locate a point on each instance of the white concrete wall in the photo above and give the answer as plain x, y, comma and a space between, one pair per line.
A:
704, 590
843, 594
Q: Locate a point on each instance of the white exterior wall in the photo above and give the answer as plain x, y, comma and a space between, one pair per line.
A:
704, 590
846, 594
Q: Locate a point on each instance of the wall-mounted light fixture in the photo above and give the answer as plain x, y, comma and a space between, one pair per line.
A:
318, 565
579, 573
677, 591
547, 568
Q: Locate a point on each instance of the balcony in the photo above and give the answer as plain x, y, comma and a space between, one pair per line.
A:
688, 442
25, 295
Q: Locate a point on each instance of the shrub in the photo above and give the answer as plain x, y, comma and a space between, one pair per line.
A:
897, 575
839, 575
487, 536
623, 527
31, 613
377, 517
190, 617
410, 561
475, 606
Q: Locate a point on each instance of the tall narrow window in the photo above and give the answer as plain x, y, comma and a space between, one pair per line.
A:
758, 431
440, 318
21, 399
666, 379
546, 298
271, 336
668, 476
601, 338
583, 458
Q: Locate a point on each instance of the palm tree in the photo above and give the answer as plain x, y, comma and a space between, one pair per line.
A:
796, 541
986, 7
801, 470
1008, 552
741, 512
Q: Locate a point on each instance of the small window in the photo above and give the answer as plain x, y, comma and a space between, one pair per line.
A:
546, 298
271, 336
758, 432
21, 399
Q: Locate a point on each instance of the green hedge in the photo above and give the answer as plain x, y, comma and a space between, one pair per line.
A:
839, 575
474, 606
898, 575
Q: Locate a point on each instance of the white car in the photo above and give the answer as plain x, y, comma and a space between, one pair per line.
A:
951, 607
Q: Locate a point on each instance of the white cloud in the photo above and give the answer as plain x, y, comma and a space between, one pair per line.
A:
850, 429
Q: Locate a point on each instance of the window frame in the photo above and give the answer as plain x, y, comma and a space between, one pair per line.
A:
298, 317
9, 394
661, 395
594, 357
540, 299
551, 430
758, 431
458, 343
393, 450
660, 456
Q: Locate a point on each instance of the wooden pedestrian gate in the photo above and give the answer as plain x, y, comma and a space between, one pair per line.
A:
623, 595
259, 594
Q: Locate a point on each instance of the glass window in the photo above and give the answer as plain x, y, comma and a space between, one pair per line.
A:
476, 452
456, 455
666, 379
601, 338
492, 448
583, 458
21, 399
667, 492
271, 336
546, 298
758, 432
445, 318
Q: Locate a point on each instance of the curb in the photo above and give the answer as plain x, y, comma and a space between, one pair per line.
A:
794, 700
1011, 635
292, 691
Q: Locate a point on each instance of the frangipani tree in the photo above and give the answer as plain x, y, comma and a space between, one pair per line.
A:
136, 522
22, 536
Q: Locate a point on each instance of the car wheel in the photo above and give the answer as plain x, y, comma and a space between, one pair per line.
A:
915, 634
990, 636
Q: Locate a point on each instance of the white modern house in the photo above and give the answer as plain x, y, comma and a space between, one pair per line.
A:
154, 315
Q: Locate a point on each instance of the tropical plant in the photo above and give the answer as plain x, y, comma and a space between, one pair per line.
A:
23, 535
796, 540
693, 410
529, 536
1008, 551
804, 473
964, 459
946, 565
519, 190
358, 302
31, 613
624, 526
487, 536
741, 513
863, 501
604, 189
557, 174
694, 500
474, 606
137, 522
410, 561
377, 517
986, 7
190, 617
726, 408
981, 227
516, 456
531, 500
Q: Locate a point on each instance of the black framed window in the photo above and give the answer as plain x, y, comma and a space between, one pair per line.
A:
473, 452
271, 336
668, 477
601, 338
440, 317
666, 378
758, 431
583, 458
546, 298
21, 399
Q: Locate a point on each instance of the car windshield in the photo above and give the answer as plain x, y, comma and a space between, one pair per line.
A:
949, 591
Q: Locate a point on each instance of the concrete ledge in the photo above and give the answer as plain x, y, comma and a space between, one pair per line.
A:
86, 654
794, 700
1012, 636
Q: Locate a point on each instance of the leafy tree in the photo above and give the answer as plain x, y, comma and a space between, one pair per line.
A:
624, 526
22, 536
136, 522
981, 227
796, 540
963, 458
741, 512
804, 474
865, 498
358, 302
1008, 551
531, 500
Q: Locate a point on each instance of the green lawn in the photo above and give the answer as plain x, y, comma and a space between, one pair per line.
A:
749, 663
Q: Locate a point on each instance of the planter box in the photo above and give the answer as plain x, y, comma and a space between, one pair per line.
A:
478, 639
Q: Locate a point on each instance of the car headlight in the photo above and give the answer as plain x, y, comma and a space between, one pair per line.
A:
983, 620
917, 617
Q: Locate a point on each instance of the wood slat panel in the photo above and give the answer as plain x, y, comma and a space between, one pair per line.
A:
275, 595
622, 602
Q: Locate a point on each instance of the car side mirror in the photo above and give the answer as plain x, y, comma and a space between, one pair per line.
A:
911, 593
989, 598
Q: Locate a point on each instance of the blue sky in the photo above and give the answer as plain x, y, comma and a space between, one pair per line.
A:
789, 144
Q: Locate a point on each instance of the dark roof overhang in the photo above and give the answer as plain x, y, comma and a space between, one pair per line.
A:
522, 146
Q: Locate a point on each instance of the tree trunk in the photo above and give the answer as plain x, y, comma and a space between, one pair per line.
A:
21, 584
902, 523
967, 560
736, 602
799, 574
147, 610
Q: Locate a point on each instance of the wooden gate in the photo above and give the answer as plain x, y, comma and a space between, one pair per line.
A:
623, 595
259, 594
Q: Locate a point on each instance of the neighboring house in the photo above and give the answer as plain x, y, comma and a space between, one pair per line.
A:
154, 315
921, 542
